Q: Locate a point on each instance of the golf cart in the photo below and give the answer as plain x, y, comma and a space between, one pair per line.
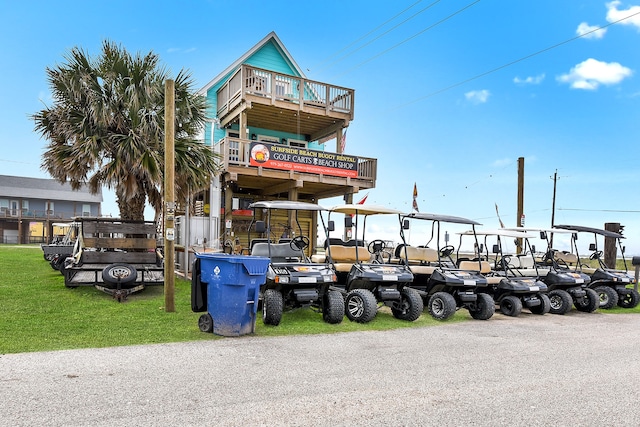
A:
61, 247
511, 286
609, 283
366, 275
567, 287
444, 285
293, 280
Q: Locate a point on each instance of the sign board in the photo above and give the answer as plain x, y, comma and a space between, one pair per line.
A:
284, 157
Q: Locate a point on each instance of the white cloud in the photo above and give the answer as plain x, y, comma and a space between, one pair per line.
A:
478, 96
592, 73
500, 163
614, 14
590, 31
531, 80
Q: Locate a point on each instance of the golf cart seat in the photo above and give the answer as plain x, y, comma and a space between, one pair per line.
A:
280, 252
420, 259
345, 256
566, 257
485, 270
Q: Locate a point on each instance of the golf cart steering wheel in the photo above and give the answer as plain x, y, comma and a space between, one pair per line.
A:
376, 246
447, 250
298, 243
595, 255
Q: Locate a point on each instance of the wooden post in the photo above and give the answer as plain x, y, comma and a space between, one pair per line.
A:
520, 199
610, 245
169, 196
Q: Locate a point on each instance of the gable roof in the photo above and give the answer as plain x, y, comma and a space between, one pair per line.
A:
271, 37
45, 189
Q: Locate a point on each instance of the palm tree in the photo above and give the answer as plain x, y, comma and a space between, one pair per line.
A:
106, 128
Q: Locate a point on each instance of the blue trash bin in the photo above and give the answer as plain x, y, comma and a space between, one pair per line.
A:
233, 287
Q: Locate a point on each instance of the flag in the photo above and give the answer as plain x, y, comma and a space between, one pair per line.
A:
415, 197
361, 202
501, 223
343, 141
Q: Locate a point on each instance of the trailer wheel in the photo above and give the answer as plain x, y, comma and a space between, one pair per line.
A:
561, 301
361, 305
410, 305
483, 308
272, 306
544, 307
608, 297
511, 306
442, 305
333, 307
629, 300
588, 303
205, 323
119, 273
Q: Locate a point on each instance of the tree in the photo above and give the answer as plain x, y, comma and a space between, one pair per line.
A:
106, 128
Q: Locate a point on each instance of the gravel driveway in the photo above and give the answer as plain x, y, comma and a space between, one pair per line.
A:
580, 369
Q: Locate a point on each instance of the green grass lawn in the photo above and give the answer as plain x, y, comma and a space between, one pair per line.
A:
39, 313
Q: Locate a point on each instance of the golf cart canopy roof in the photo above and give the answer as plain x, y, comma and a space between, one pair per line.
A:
441, 218
286, 204
579, 228
501, 232
353, 208
546, 230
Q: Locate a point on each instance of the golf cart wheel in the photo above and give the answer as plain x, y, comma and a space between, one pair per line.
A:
333, 307
561, 301
544, 307
511, 306
588, 303
361, 305
629, 300
119, 273
608, 297
410, 305
272, 306
441, 305
483, 308
205, 323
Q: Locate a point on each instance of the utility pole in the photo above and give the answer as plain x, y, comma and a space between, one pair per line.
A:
553, 205
519, 220
169, 196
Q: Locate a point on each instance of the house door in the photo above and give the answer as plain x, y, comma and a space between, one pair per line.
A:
14, 207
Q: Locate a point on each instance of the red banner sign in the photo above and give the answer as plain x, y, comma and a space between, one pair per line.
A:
275, 156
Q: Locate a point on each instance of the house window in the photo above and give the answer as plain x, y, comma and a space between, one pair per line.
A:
86, 209
13, 207
4, 207
50, 209
270, 139
283, 88
297, 143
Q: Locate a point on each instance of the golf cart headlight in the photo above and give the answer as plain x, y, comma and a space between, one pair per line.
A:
282, 279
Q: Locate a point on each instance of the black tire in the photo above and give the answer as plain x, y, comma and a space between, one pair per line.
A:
119, 273
360, 306
589, 303
544, 307
410, 305
442, 305
272, 306
511, 306
608, 297
561, 301
483, 308
630, 300
205, 323
333, 307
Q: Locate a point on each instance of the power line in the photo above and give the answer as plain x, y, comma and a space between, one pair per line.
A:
598, 210
516, 61
383, 34
412, 37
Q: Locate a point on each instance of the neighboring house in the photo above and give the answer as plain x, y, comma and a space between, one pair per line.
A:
271, 126
29, 207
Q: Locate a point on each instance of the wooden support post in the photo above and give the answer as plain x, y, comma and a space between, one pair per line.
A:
520, 199
169, 196
610, 245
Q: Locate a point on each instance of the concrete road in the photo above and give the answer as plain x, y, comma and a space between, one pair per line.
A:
573, 370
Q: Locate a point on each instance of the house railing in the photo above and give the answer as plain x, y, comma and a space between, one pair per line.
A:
7, 213
282, 87
235, 152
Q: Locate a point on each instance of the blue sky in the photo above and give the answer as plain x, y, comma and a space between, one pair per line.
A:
449, 94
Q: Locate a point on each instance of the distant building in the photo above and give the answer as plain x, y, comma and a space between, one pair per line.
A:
30, 207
